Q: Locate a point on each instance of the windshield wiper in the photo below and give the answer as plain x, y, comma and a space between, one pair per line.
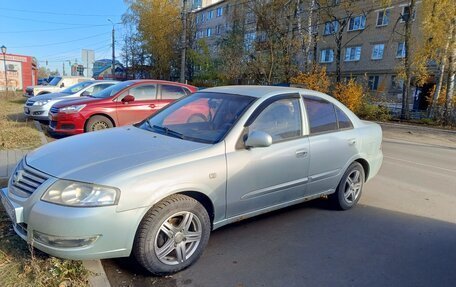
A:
167, 131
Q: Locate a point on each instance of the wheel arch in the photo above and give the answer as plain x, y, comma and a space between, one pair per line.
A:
205, 201
365, 166
99, 114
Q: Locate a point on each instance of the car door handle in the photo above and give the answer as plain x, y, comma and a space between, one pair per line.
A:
352, 141
301, 153
152, 106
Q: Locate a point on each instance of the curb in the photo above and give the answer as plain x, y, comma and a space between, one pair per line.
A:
416, 127
97, 277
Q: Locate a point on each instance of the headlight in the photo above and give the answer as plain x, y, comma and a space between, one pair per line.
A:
41, 102
73, 193
72, 109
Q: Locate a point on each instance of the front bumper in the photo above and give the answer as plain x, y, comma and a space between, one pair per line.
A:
114, 230
69, 124
37, 112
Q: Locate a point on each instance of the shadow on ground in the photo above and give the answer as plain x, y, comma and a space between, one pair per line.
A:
310, 245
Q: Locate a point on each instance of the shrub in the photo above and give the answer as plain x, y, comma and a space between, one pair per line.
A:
316, 80
351, 94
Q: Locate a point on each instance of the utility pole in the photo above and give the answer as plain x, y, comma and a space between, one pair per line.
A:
63, 69
184, 41
113, 65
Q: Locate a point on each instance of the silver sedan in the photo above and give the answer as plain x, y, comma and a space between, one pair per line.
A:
157, 189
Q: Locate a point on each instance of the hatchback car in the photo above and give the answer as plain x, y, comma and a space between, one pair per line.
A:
157, 189
122, 104
38, 107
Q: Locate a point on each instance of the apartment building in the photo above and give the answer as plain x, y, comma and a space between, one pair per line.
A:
372, 41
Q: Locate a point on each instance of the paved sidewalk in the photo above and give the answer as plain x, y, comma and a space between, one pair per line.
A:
8, 160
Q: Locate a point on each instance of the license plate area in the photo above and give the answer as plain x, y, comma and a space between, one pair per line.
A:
8, 207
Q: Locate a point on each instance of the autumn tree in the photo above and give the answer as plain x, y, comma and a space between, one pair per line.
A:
159, 27
43, 72
316, 79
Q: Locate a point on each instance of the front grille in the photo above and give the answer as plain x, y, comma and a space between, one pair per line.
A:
25, 180
38, 113
29, 103
54, 110
53, 124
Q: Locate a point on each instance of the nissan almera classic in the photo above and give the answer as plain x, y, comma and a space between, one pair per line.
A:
158, 188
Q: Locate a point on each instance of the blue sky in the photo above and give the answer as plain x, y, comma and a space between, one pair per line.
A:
57, 30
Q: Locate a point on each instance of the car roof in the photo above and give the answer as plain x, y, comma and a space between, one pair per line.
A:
262, 91
160, 82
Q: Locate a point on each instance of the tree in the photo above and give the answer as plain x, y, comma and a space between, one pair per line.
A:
159, 26
317, 80
43, 72
336, 16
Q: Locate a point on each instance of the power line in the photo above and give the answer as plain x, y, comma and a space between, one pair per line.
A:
58, 13
60, 43
41, 21
51, 30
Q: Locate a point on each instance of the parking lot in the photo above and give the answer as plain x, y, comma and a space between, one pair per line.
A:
402, 233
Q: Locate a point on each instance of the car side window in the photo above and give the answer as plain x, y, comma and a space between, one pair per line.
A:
170, 92
144, 92
343, 120
99, 87
321, 115
281, 119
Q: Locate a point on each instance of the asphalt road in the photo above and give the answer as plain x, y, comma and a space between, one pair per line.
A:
402, 233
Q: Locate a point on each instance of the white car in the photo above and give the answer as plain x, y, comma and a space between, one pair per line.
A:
55, 85
38, 107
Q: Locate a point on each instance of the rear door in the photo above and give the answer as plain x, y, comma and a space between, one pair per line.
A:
143, 106
333, 144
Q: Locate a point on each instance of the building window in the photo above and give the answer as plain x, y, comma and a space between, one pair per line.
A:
383, 17
219, 11
249, 39
377, 51
327, 56
352, 53
373, 83
208, 32
210, 15
203, 18
219, 29
396, 83
400, 52
406, 14
350, 78
357, 23
331, 27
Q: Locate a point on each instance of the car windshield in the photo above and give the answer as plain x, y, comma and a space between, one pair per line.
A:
76, 88
112, 90
202, 117
55, 81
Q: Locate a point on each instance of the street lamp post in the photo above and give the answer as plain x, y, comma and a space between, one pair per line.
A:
4, 65
113, 64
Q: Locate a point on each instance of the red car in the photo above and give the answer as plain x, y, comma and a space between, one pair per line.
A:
122, 104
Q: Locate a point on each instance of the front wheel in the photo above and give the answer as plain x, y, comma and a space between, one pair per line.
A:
350, 188
97, 123
172, 235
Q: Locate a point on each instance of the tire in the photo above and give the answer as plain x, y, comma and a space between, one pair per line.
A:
97, 123
349, 189
164, 244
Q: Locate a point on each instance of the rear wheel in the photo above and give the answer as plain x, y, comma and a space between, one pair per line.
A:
350, 187
172, 235
97, 123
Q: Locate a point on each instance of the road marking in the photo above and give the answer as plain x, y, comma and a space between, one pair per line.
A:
421, 164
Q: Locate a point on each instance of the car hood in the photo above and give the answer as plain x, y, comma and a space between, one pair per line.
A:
77, 101
94, 157
50, 96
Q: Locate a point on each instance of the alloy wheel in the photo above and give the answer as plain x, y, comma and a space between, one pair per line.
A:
353, 186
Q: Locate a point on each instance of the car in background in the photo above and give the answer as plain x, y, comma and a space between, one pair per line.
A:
38, 107
122, 104
55, 85
42, 81
156, 190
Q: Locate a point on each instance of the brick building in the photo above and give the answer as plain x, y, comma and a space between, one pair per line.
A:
22, 71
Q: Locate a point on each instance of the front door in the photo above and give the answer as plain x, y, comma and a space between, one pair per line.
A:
143, 105
263, 177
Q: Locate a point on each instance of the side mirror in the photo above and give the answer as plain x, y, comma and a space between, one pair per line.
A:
85, 94
258, 139
127, 99
62, 85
